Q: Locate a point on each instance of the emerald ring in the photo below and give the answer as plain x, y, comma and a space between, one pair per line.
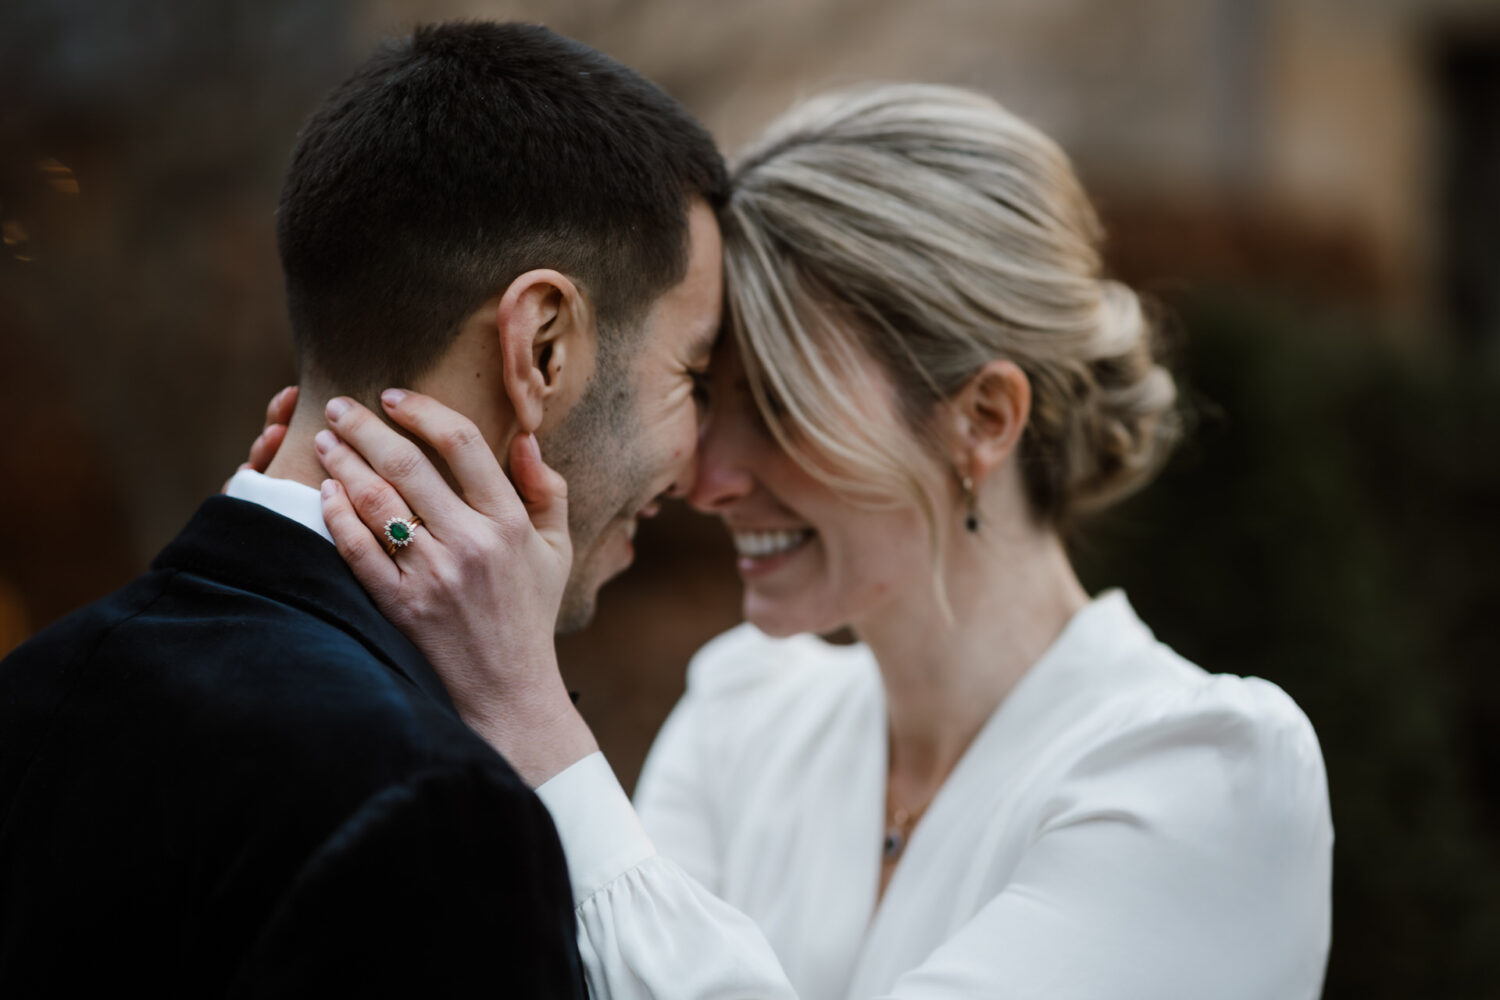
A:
399, 533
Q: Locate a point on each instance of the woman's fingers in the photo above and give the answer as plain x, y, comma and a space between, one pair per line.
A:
281, 407
364, 553
467, 454
265, 447
395, 459
542, 489
374, 501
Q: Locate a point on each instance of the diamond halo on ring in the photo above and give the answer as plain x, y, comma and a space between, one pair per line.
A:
400, 532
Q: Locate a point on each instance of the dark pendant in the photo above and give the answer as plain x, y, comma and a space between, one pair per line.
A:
895, 843
972, 523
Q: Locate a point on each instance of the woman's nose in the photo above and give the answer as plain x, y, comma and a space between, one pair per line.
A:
721, 477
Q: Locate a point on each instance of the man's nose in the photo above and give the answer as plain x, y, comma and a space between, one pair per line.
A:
721, 477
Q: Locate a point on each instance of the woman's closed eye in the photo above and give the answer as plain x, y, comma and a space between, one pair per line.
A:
768, 409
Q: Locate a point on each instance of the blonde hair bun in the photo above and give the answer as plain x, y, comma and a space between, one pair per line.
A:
1127, 412
929, 228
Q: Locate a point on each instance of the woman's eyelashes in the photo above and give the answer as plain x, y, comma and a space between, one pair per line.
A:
768, 409
774, 406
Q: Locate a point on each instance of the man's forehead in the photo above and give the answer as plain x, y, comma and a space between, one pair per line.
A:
688, 316
679, 338
705, 277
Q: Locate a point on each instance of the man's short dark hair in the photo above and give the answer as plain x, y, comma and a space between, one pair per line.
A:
461, 157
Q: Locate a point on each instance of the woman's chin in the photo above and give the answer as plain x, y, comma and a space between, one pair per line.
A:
781, 617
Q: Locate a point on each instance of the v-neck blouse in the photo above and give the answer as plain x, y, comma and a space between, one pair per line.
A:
1124, 825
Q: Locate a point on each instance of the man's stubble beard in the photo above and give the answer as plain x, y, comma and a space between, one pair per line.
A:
597, 449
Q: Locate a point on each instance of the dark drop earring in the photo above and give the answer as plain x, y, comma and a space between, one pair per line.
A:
971, 520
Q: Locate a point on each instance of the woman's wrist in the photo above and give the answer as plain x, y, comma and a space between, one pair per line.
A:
537, 730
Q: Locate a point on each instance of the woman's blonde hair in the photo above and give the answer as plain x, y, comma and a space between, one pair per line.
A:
928, 229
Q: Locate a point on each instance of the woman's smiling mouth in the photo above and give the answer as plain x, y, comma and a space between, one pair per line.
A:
760, 551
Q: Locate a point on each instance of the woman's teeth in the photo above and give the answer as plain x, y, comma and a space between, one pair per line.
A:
759, 544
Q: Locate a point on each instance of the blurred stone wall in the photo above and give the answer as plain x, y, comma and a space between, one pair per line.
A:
1306, 126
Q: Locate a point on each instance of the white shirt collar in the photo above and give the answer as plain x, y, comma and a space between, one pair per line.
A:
290, 499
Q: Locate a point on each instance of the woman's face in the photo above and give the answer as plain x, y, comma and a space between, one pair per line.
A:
811, 561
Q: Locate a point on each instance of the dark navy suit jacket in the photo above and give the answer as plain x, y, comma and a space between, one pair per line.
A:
233, 777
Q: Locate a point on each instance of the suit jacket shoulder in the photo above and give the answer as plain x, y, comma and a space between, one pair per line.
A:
235, 742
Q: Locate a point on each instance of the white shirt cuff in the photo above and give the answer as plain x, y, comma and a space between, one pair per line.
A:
600, 832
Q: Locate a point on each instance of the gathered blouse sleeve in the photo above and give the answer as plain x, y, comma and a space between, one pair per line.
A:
650, 928
647, 930
1184, 852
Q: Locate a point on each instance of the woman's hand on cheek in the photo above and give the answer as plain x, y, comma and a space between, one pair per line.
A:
478, 587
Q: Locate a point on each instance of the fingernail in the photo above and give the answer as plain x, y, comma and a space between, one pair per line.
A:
392, 397
536, 449
328, 489
337, 407
325, 440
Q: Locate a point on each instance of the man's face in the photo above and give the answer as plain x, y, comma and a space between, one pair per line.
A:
634, 443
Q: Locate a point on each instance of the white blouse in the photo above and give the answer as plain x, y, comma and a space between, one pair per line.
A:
1125, 825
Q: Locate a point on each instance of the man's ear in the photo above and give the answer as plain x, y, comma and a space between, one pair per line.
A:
546, 337
987, 418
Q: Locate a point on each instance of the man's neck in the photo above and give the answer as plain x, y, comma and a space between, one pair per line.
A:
297, 459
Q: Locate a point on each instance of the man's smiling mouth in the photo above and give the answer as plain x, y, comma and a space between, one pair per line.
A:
633, 523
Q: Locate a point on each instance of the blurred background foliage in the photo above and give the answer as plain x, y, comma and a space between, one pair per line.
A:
1331, 525
1309, 187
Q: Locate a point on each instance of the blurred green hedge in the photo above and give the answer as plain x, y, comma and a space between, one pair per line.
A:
1332, 523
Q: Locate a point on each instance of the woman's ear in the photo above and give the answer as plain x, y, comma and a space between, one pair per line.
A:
546, 337
989, 415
